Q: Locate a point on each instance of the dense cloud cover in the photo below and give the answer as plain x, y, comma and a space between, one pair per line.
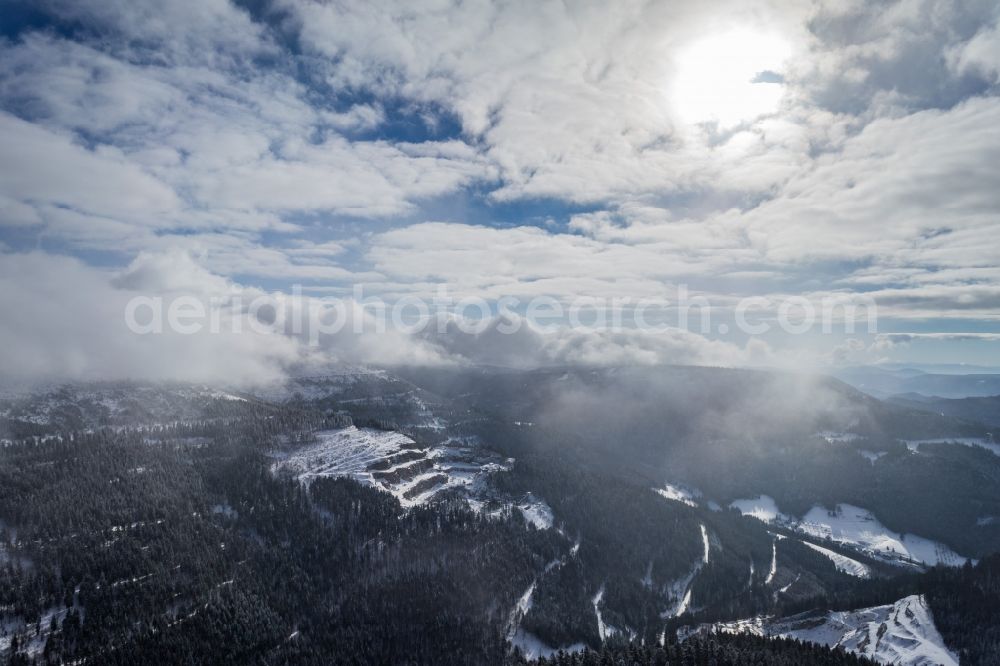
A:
498, 148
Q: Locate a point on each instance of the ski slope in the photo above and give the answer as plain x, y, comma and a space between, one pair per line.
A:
902, 633
842, 562
774, 563
530, 645
855, 527
680, 590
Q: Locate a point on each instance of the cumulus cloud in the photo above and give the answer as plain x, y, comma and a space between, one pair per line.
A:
63, 319
400, 145
981, 54
41, 168
178, 32
572, 101
848, 351
68, 320
512, 341
368, 179
106, 129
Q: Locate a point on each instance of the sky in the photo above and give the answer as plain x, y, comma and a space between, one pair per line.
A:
785, 152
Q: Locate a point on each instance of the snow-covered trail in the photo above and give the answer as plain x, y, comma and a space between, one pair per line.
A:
682, 588
520, 610
774, 563
531, 646
785, 588
843, 563
603, 630
647, 579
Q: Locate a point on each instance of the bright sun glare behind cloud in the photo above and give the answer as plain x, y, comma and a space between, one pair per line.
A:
729, 77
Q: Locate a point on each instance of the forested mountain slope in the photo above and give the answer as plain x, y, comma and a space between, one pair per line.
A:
471, 516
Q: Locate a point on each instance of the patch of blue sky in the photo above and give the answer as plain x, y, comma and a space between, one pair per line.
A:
22, 16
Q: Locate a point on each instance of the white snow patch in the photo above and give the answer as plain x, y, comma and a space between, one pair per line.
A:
678, 494
857, 527
536, 512
413, 478
647, 579
786, 587
345, 452
762, 508
226, 510
842, 562
680, 590
914, 444
482, 507
603, 630
902, 633
683, 604
520, 610
774, 563
33, 644
221, 395
872, 456
532, 647
838, 437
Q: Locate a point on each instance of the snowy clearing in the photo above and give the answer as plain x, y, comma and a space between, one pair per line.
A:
533, 647
536, 512
842, 562
855, 527
901, 633
678, 494
390, 461
762, 508
346, 452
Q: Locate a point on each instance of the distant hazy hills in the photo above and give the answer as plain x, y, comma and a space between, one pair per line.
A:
885, 382
982, 410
